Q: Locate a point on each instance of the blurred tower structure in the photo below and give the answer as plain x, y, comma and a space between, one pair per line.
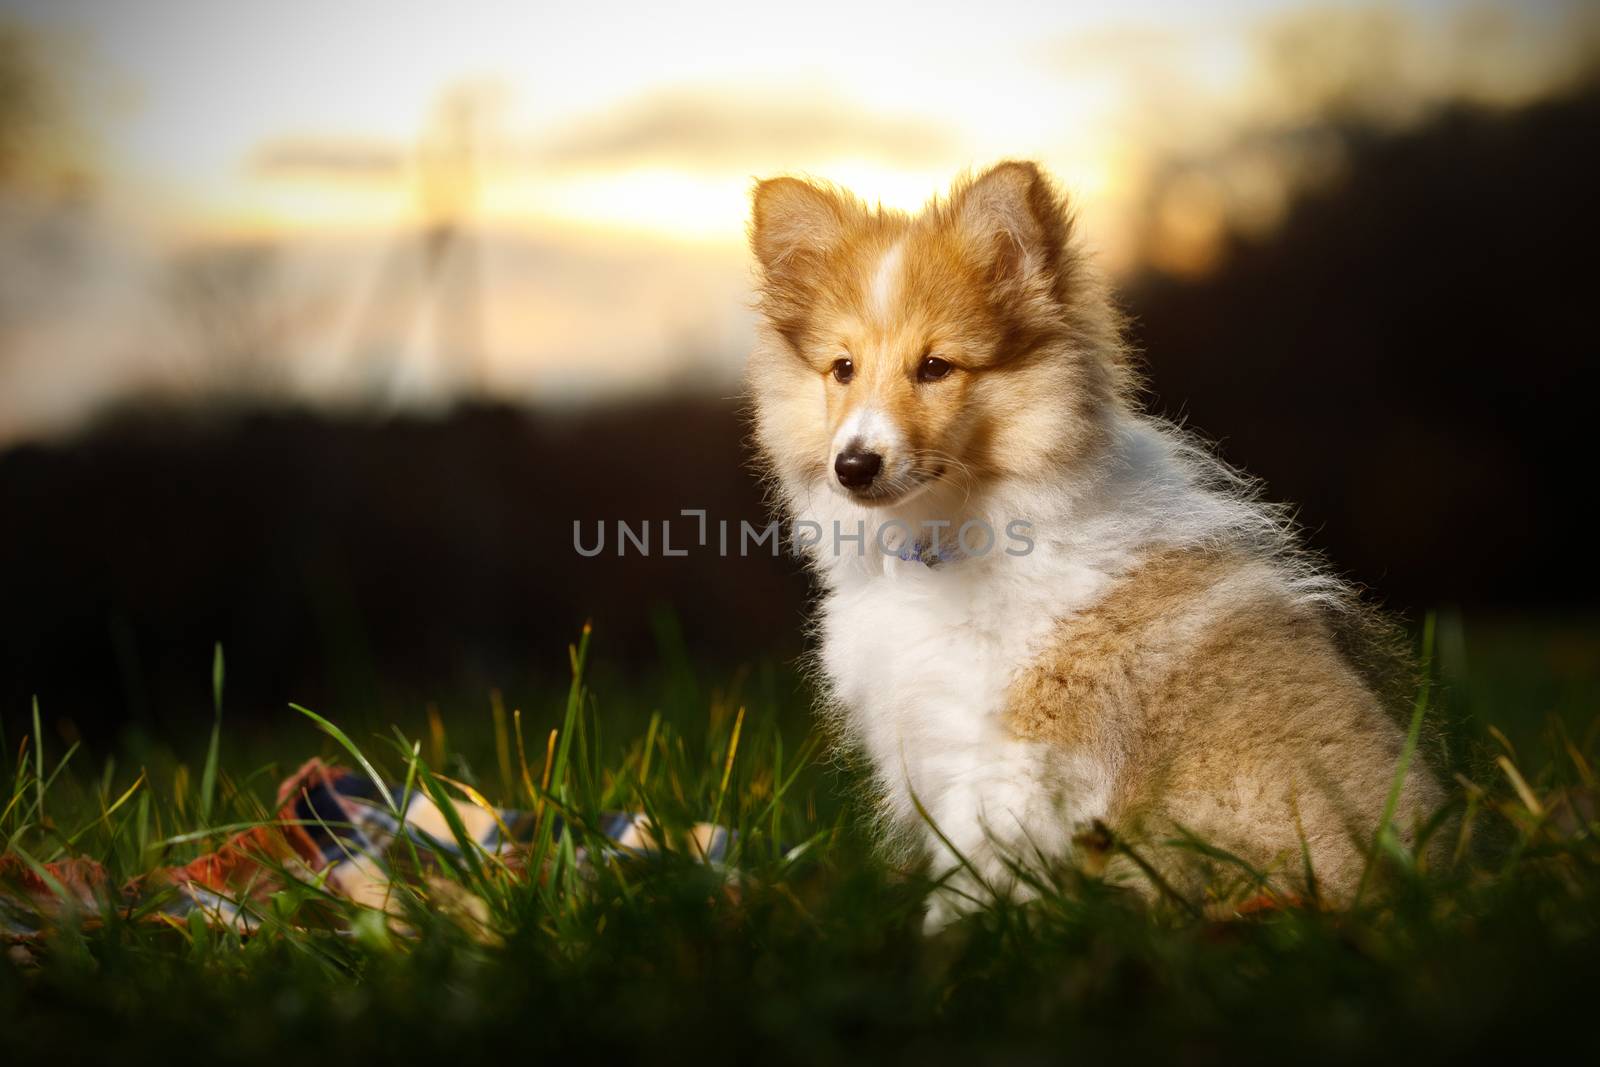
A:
434, 273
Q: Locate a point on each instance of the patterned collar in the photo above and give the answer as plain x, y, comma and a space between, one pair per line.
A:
920, 551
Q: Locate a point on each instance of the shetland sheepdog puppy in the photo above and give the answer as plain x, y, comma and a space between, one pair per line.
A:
1043, 610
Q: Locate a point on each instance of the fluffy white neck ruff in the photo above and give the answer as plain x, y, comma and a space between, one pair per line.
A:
1150, 489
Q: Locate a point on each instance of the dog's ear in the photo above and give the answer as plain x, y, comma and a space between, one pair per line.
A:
1015, 223
793, 222
794, 225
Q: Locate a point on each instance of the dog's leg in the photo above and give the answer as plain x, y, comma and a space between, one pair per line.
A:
1003, 824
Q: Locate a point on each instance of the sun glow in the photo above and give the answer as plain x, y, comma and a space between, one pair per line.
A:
590, 169
655, 200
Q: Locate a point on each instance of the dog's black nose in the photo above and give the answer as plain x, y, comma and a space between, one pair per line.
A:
856, 467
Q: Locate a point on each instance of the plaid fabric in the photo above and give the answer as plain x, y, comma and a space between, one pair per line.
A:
335, 829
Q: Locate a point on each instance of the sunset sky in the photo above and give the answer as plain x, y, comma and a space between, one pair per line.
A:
641, 116
600, 156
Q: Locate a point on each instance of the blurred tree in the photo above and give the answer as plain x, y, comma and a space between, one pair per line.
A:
41, 147
44, 184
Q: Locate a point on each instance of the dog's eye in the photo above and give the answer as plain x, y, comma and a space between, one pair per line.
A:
932, 369
843, 371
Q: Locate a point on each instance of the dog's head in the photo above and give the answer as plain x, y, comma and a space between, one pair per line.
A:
901, 353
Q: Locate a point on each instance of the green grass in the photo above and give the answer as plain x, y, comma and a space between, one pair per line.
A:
812, 951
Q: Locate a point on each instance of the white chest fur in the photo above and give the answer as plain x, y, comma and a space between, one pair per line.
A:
920, 659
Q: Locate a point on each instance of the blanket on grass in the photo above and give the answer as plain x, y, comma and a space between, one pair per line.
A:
335, 831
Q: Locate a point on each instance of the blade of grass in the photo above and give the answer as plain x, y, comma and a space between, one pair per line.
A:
502, 740
105, 816
962, 863
482, 802
556, 754
1190, 841
469, 848
412, 754
1163, 887
649, 746
208, 775
350, 746
438, 744
238, 827
43, 874
38, 760
43, 785
522, 757
1392, 801
727, 766
1520, 784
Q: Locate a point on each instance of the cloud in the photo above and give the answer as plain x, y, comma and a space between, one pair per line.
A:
328, 157
690, 130
1114, 46
719, 130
